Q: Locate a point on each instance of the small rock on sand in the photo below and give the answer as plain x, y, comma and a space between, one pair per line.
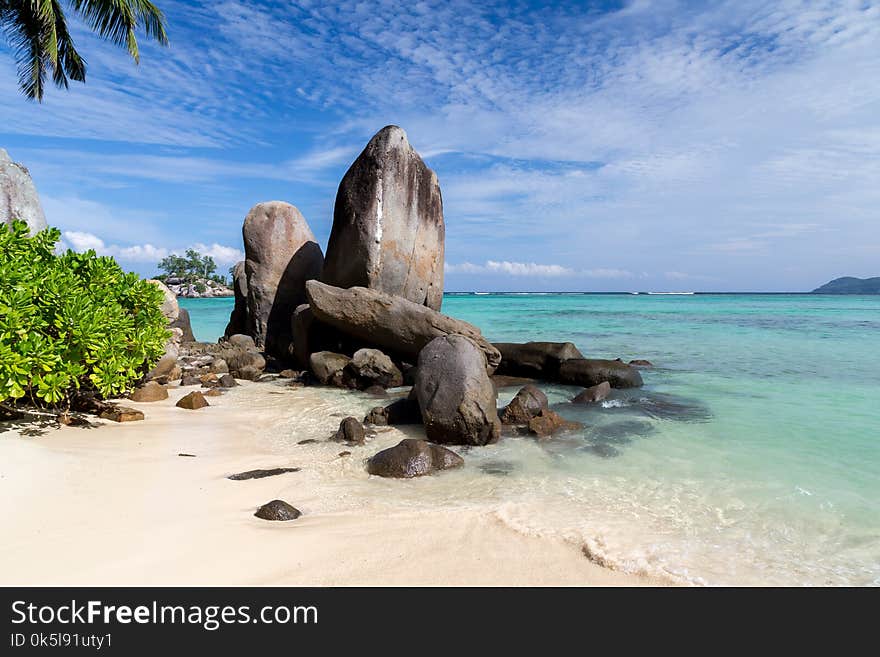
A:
278, 510
192, 401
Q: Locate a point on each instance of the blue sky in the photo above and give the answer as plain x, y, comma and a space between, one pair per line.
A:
580, 146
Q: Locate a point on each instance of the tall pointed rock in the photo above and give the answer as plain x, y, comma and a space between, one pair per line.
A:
388, 231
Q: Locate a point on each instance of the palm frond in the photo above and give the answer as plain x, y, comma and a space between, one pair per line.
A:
118, 20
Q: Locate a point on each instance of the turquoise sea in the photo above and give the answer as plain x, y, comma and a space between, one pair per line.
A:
751, 456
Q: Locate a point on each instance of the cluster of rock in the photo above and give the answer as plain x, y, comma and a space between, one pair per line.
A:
367, 316
190, 289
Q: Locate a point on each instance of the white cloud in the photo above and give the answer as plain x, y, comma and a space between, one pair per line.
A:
534, 269
146, 254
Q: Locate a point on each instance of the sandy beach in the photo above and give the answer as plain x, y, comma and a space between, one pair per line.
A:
115, 504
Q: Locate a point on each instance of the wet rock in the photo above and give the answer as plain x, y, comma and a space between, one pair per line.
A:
412, 458
370, 367
388, 230
376, 391
640, 362
502, 468
351, 431
589, 372
593, 394
535, 359
400, 411
455, 394
548, 422
122, 414
149, 392
328, 367
527, 403
400, 327
192, 401
260, 474
278, 510
602, 450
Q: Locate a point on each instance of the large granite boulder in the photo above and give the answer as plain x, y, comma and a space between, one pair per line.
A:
412, 458
281, 254
589, 372
238, 320
455, 393
535, 359
19, 199
528, 403
400, 327
388, 231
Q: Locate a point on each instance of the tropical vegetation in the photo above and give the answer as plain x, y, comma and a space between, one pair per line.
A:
72, 322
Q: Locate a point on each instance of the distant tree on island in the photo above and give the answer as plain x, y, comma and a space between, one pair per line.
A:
192, 269
38, 34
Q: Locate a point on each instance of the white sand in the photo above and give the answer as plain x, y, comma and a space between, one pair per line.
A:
116, 505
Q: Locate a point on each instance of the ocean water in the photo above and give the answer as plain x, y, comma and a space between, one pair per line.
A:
751, 455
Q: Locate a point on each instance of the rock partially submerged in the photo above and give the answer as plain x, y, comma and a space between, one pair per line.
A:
400, 327
535, 359
548, 422
455, 394
527, 403
278, 510
388, 231
412, 458
351, 431
593, 394
589, 372
400, 411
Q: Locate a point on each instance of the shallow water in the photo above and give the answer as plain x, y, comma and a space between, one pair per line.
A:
751, 456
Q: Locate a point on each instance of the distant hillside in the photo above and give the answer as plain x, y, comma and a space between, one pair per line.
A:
850, 285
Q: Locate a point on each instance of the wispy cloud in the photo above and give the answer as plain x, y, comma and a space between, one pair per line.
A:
652, 136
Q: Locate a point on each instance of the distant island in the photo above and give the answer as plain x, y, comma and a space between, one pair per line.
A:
850, 285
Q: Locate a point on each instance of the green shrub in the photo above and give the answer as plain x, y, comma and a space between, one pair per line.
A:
71, 322
200, 288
